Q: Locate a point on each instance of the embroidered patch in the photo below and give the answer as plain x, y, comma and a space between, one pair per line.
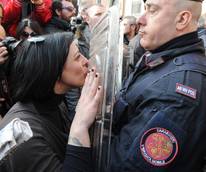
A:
185, 90
158, 146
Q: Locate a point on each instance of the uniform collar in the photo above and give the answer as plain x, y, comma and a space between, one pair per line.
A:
181, 41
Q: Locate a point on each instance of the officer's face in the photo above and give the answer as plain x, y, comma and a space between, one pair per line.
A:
157, 24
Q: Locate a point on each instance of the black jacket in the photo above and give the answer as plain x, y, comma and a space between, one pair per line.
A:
57, 25
45, 150
159, 116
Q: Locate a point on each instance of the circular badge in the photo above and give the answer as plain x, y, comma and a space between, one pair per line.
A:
158, 146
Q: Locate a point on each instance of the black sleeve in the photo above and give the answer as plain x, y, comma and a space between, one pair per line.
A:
77, 159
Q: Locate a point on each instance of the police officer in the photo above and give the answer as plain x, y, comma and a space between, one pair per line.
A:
159, 116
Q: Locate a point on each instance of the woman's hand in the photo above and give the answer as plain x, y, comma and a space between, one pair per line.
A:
86, 110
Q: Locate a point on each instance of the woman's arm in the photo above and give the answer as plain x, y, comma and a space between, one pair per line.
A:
86, 111
78, 155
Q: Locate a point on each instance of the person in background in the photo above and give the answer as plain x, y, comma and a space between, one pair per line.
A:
28, 28
129, 28
16, 10
94, 13
84, 31
138, 50
132, 50
62, 11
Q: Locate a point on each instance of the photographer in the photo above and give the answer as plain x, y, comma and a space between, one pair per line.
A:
15, 10
62, 11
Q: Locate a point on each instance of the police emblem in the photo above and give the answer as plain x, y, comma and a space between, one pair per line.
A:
158, 146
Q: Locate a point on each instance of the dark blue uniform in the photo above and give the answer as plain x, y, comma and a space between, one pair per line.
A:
160, 114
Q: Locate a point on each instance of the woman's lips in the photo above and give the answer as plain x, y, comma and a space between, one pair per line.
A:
86, 72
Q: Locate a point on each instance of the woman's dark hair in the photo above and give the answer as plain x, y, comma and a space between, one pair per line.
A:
34, 25
38, 65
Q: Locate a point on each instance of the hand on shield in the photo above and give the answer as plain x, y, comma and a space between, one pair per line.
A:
86, 110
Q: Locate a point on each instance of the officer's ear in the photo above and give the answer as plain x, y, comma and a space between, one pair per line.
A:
183, 19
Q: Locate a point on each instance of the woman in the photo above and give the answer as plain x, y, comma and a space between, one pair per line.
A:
28, 28
34, 133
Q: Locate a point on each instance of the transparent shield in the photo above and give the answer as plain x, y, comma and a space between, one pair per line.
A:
105, 55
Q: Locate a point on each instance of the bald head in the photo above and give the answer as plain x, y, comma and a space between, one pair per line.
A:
189, 12
165, 20
195, 7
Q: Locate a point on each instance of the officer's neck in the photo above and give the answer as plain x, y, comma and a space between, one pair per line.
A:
178, 42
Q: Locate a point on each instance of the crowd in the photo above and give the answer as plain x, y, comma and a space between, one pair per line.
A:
26, 19
50, 94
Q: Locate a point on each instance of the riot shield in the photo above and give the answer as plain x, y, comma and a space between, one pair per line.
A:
105, 55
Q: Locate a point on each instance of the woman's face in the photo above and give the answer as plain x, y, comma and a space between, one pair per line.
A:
74, 71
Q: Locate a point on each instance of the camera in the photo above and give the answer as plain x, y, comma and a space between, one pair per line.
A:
10, 43
75, 23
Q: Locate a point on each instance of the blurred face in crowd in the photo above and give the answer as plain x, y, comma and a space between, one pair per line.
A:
75, 69
94, 14
128, 26
68, 10
27, 33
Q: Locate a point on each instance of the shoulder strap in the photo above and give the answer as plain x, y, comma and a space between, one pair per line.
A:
155, 75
